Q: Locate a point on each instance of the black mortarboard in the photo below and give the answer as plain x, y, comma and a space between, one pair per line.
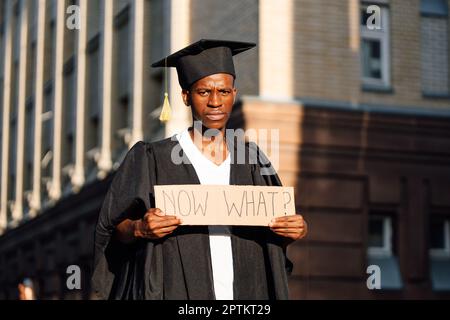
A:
203, 58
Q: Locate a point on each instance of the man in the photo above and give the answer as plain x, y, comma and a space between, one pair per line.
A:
143, 253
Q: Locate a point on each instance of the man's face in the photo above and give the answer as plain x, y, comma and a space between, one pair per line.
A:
212, 99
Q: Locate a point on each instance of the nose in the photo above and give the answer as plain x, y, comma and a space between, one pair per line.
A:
215, 100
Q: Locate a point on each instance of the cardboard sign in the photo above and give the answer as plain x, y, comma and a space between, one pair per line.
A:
224, 204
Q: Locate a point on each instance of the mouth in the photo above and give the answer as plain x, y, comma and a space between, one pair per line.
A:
216, 116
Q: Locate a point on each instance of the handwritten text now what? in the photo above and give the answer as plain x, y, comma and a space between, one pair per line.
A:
225, 205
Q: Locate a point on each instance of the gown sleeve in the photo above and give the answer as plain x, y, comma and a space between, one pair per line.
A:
263, 170
116, 265
265, 174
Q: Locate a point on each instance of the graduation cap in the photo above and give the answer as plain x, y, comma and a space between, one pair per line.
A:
199, 60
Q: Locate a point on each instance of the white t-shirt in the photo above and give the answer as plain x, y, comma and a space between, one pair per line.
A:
219, 237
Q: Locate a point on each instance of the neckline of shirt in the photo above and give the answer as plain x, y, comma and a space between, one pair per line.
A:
184, 136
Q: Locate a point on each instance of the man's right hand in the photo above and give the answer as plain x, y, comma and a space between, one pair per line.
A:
155, 224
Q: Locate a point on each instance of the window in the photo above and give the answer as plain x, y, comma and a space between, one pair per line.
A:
47, 140
121, 102
12, 159
93, 111
440, 253
69, 112
29, 145
375, 57
2, 52
380, 250
31, 58
13, 133
12, 166
50, 39
93, 17
31, 69
2, 12
1, 117
123, 53
434, 40
437, 8
380, 236
16, 22
69, 38
440, 238
29, 153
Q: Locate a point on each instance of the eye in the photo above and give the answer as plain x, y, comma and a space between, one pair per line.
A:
225, 92
203, 93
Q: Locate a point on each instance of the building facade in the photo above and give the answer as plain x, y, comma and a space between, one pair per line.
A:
358, 93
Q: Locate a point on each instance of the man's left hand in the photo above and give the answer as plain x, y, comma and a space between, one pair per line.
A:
293, 227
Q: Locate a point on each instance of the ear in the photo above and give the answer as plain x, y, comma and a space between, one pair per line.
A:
186, 97
234, 94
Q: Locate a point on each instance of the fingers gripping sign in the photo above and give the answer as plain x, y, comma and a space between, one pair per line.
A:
292, 226
155, 224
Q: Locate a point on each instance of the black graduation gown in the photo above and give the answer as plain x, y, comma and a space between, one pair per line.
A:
179, 266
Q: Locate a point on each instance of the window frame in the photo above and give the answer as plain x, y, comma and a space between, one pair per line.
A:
387, 235
384, 39
445, 252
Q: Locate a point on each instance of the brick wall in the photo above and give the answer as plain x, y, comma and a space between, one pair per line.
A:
343, 166
327, 61
435, 78
326, 66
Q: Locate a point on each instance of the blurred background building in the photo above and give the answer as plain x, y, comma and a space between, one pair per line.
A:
363, 116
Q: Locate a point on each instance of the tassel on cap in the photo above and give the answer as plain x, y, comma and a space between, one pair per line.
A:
166, 110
